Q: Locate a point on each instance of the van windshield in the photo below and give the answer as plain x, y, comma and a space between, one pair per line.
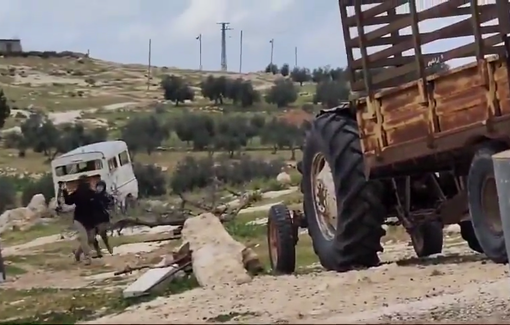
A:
81, 167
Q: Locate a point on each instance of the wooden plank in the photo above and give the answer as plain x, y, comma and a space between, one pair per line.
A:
347, 37
381, 20
394, 40
406, 21
369, 13
462, 51
367, 77
427, 38
148, 281
427, 57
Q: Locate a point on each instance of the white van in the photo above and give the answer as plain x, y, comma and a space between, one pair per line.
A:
108, 161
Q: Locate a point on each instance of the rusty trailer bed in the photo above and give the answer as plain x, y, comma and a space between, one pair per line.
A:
425, 113
464, 106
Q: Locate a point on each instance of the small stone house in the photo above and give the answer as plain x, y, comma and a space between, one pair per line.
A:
10, 46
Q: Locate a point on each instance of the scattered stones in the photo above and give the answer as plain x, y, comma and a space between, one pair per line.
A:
25, 217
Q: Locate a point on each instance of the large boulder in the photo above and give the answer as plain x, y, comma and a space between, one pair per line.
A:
283, 178
216, 257
38, 205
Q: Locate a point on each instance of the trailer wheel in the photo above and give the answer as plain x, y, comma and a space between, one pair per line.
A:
343, 210
427, 238
281, 240
468, 234
483, 204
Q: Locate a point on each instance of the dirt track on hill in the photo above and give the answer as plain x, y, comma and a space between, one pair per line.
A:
459, 286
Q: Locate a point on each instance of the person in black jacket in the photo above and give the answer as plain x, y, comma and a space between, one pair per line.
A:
83, 199
103, 203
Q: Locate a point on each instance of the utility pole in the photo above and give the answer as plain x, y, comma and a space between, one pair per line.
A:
295, 57
272, 50
224, 29
240, 51
199, 38
149, 66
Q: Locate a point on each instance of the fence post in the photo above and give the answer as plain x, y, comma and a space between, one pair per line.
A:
501, 162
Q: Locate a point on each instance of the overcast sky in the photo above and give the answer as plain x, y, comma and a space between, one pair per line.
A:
118, 30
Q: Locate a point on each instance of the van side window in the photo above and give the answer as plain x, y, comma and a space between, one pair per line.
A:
112, 164
124, 158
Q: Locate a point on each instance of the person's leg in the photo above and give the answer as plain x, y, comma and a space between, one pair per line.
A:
93, 241
103, 232
83, 239
77, 253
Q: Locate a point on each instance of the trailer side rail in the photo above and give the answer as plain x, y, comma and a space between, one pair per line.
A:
393, 66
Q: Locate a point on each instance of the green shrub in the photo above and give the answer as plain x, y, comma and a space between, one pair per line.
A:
239, 229
7, 194
19, 183
192, 173
151, 180
43, 185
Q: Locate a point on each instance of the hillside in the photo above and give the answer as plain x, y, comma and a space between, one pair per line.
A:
57, 85
106, 94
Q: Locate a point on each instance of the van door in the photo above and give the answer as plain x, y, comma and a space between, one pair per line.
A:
125, 177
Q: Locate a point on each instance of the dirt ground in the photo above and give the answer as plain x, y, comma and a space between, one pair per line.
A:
456, 286
459, 286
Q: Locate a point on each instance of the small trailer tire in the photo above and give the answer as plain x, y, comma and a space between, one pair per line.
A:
427, 238
281, 240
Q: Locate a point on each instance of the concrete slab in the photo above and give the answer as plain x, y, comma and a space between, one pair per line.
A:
148, 281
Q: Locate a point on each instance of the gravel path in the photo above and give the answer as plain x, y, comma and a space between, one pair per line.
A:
403, 290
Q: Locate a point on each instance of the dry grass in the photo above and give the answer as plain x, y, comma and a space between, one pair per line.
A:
15, 237
53, 306
33, 162
30, 302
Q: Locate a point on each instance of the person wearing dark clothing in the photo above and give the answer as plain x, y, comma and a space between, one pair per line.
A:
83, 199
102, 204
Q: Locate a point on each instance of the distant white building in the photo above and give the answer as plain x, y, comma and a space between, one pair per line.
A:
10, 45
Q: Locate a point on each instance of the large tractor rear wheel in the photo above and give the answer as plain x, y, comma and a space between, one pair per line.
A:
343, 209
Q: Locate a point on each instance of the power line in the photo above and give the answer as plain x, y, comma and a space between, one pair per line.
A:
224, 29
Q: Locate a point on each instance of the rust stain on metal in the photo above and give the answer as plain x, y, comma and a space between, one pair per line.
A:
465, 97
